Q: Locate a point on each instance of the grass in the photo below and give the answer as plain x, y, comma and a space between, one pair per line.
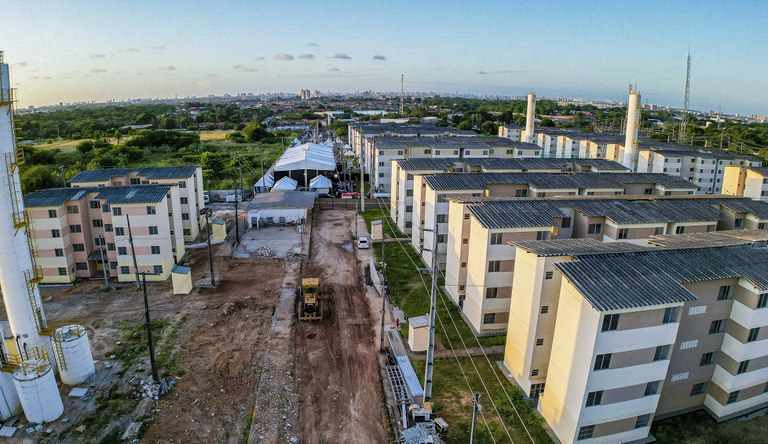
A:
700, 428
390, 229
452, 401
407, 291
213, 135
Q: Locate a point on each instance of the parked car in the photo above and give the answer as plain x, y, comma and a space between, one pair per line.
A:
231, 198
362, 243
350, 195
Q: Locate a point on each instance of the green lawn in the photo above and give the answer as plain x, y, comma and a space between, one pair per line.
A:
372, 214
700, 428
453, 402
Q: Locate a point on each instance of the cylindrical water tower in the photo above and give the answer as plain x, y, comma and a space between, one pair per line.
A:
36, 386
73, 353
9, 399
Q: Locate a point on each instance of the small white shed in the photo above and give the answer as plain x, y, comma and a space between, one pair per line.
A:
321, 185
418, 333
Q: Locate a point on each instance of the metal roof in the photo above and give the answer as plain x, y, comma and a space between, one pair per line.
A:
519, 164
281, 199
656, 277
441, 142
543, 181
517, 214
714, 239
575, 247
370, 129
151, 173
56, 197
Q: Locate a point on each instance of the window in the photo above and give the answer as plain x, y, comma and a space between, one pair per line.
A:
62, 271
652, 388
97, 223
610, 322
494, 266
662, 353
78, 247
495, 238
152, 230
440, 218
117, 211
762, 300
158, 269
648, 191
542, 235
659, 231
539, 341
623, 233
742, 367
565, 223
535, 372
52, 214
594, 398
670, 315
442, 238
113, 265
151, 210
463, 265
732, 397
489, 318
111, 246
491, 293
184, 216
155, 249
548, 275
708, 358
119, 231
409, 209
699, 388
521, 193
182, 184
603, 362
753, 332
761, 225
81, 265
725, 293
59, 252
122, 251
738, 223
585, 432
107, 227
717, 326
595, 229
679, 230
710, 228
75, 229
135, 181
105, 208
125, 269
73, 209
642, 421
55, 233
466, 216
187, 232
94, 204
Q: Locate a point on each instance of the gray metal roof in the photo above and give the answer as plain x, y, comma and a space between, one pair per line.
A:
575, 247
543, 181
517, 214
56, 197
446, 143
639, 279
425, 129
152, 173
281, 199
714, 239
516, 164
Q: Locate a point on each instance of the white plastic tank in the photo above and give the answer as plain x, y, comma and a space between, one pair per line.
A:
39, 395
9, 399
75, 351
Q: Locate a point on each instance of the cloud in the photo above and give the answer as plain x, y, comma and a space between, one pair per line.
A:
41, 77
243, 68
97, 56
19, 64
379, 57
502, 72
157, 47
168, 68
306, 56
97, 71
341, 56
211, 75
482, 73
334, 70
259, 58
284, 57
129, 50
312, 44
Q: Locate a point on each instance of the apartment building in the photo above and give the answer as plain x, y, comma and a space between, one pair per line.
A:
189, 180
749, 182
608, 337
511, 132
78, 232
404, 170
431, 193
480, 264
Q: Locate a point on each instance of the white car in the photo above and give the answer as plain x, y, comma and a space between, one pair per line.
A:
362, 243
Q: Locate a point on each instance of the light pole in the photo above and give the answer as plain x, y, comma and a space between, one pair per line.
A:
152, 362
475, 408
306, 150
207, 213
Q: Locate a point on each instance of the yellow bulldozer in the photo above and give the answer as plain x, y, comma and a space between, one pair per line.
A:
310, 304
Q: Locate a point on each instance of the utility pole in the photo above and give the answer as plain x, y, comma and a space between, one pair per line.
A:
475, 408
384, 289
681, 138
237, 220
104, 262
432, 308
207, 213
152, 362
355, 220
362, 183
402, 93
133, 250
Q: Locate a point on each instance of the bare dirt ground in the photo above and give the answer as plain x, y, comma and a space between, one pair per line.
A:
337, 361
215, 340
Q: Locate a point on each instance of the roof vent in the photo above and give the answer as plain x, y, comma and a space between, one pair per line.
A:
760, 244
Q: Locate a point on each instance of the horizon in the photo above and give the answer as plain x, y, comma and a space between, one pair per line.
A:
106, 51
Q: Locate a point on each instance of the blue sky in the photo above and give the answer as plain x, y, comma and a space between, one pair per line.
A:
97, 50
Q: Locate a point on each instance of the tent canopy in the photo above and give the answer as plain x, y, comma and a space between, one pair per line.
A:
286, 183
320, 182
267, 181
311, 156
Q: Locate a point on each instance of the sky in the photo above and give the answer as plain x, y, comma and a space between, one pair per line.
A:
88, 50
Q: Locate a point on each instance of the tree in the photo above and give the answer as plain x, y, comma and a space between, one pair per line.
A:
547, 122
465, 125
38, 177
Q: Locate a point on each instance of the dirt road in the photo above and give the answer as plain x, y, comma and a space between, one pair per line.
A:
337, 365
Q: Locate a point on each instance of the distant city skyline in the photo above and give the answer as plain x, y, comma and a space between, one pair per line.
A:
96, 51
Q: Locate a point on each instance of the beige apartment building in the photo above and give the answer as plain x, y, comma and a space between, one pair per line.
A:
431, 193
78, 232
751, 182
188, 179
480, 264
610, 336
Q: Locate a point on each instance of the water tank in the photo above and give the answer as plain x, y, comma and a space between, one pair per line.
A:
39, 395
9, 400
73, 354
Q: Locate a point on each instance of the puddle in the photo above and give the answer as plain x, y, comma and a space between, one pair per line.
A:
347, 247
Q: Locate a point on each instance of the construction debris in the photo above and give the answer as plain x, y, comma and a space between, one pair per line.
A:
263, 252
152, 390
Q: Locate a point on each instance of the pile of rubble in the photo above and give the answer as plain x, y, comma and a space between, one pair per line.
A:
264, 252
152, 390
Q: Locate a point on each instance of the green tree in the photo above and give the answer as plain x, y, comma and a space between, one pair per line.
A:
38, 177
465, 125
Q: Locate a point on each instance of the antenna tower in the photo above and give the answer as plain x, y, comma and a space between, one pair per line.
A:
402, 81
681, 137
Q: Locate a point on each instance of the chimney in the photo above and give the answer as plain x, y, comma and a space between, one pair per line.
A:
529, 117
633, 125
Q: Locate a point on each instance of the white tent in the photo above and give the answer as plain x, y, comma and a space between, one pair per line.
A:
286, 183
310, 156
267, 181
295, 142
321, 184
